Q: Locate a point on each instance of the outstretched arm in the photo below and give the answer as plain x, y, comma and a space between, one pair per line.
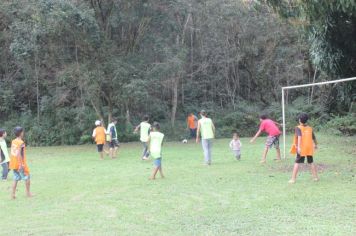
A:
257, 134
198, 133
137, 128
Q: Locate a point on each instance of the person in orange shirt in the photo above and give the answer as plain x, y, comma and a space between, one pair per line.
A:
18, 162
192, 124
304, 144
99, 135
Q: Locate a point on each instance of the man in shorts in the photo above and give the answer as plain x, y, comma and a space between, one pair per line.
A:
270, 127
304, 144
99, 135
113, 141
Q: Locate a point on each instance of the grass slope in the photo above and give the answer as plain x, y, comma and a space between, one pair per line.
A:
77, 194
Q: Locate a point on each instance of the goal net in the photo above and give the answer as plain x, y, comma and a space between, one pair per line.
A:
284, 89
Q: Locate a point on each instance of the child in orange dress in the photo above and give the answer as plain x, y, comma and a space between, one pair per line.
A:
18, 162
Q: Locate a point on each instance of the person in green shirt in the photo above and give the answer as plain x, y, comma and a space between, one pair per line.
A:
206, 130
144, 128
4, 154
155, 142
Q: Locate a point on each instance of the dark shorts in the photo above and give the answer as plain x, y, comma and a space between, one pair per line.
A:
300, 159
193, 133
272, 141
114, 143
100, 147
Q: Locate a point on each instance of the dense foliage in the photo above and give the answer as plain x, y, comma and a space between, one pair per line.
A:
64, 64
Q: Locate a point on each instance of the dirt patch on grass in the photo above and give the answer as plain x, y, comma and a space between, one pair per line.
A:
303, 167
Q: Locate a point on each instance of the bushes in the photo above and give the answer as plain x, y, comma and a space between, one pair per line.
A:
342, 125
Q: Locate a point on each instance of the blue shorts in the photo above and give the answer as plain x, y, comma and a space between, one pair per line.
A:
20, 175
157, 162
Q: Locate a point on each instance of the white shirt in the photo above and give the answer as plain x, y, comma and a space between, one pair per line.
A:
235, 144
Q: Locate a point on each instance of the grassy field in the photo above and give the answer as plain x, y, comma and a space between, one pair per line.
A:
77, 194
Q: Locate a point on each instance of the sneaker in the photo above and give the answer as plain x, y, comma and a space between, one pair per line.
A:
316, 179
292, 181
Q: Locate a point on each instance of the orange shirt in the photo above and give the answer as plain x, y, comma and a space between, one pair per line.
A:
306, 144
100, 135
192, 123
18, 146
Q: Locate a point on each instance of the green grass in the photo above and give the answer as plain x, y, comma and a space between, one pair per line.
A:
77, 194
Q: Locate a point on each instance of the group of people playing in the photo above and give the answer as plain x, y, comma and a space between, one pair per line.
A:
202, 130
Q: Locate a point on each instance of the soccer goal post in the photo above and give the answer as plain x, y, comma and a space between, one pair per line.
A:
303, 86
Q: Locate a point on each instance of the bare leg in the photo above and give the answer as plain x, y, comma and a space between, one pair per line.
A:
161, 172
155, 170
115, 152
14, 186
295, 172
111, 153
314, 171
106, 151
264, 155
28, 185
278, 154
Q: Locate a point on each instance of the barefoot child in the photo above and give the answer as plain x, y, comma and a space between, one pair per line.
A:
303, 145
99, 135
144, 128
270, 127
18, 162
235, 145
4, 154
155, 142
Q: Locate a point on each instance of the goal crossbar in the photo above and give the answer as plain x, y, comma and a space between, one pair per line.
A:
303, 86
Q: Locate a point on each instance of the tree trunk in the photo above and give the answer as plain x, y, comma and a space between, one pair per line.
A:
37, 88
174, 100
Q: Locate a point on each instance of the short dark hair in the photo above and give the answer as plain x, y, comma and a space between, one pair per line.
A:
146, 118
2, 132
203, 112
303, 118
156, 125
18, 130
263, 117
114, 119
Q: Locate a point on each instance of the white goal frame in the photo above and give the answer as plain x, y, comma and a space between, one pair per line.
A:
303, 86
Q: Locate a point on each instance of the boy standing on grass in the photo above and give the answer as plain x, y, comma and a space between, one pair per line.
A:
270, 127
99, 135
303, 145
113, 141
206, 129
155, 142
192, 121
18, 162
235, 145
4, 154
144, 128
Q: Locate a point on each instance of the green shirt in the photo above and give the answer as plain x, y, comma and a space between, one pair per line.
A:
144, 131
206, 128
3, 148
156, 140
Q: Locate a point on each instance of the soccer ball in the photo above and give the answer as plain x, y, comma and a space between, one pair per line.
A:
184, 141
